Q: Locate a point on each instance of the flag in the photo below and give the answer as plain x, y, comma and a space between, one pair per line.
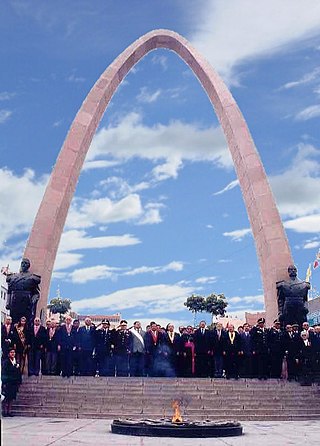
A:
317, 260
308, 273
5, 270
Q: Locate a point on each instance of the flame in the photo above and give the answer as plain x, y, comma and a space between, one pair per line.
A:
177, 418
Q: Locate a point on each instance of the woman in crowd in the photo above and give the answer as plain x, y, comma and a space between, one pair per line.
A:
21, 342
11, 380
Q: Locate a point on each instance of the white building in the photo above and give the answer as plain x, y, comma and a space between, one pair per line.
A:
4, 295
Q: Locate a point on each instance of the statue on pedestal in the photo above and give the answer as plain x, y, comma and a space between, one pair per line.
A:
292, 299
23, 293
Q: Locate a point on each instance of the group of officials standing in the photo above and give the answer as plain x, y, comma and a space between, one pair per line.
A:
222, 352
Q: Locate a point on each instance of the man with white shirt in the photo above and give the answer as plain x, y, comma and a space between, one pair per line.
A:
36, 340
138, 350
202, 341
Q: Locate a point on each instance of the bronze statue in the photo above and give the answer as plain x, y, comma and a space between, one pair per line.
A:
23, 293
292, 299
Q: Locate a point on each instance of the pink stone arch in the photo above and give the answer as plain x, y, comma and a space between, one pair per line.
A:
271, 242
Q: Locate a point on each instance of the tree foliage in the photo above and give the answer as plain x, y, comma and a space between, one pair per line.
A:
215, 304
195, 304
59, 305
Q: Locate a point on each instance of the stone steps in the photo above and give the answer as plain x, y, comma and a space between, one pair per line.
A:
107, 398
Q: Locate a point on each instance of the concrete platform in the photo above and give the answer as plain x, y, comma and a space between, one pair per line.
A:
59, 432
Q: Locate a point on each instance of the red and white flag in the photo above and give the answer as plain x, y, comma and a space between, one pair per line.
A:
317, 260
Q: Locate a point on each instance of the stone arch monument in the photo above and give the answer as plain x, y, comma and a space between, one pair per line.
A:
271, 242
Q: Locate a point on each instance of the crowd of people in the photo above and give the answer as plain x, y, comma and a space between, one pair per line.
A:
222, 352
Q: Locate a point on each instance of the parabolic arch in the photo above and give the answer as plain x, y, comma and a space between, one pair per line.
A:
270, 239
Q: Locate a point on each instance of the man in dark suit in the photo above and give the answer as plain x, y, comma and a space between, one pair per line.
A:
247, 347
171, 351
36, 345
76, 353
105, 348
231, 352
217, 344
275, 349
7, 336
261, 348
87, 345
290, 345
51, 349
66, 345
153, 343
202, 350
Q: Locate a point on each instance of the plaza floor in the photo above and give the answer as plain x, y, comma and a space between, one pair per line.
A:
59, 432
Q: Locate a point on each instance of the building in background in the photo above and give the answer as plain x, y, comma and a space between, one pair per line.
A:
4, 296
314, 311
96, 319
251, 318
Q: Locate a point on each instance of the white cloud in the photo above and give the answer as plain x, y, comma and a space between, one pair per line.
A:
74, 240
309, 224
99, 164
312, 244
313, 111
238, 234
147, 97
232, 32
4, 115
85, 213
98, 272
6, 96
203, 280
27, 192
156, 298
234, 301
117, 187
172, 143
305, 79
160, 60
172, 266
297, 189
228, 187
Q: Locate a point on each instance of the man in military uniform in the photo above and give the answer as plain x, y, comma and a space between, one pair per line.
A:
104, 348
260, 348
276, 349
122, 348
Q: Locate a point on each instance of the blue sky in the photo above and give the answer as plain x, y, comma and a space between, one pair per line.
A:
157, 213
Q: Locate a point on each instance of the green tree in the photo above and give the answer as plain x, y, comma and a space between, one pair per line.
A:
216, 305
195, 303
59, 305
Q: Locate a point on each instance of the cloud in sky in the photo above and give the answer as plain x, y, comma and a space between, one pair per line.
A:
147, 97
313, 111
172, 143
4, 115
98, 272
297, 188
155, 298
85, 213
234, 32
307, 78
238, 234
27, 191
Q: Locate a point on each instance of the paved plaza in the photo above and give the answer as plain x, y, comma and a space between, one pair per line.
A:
59, 432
